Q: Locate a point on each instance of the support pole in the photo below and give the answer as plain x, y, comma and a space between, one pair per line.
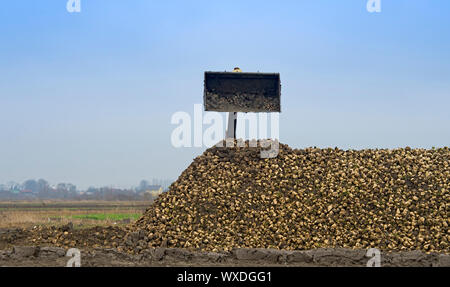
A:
232, 118
232, 122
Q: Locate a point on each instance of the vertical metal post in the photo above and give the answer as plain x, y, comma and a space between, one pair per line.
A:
232, 118
232, 122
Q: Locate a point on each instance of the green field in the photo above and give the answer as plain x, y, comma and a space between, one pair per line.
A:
107, 216
81, 213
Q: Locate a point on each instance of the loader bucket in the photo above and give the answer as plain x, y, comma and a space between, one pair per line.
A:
242, 92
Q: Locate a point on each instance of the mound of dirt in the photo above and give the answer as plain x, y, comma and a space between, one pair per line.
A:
303, 199
165, 257
64, 236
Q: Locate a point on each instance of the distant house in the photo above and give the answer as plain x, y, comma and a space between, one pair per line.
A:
153, 190
149, 188
154, 187
26, 191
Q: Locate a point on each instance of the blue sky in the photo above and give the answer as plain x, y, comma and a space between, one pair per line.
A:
87, 97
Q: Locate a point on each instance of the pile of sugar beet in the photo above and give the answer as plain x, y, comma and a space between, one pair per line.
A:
303, 199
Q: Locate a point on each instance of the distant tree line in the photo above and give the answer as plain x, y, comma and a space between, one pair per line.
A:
41, 189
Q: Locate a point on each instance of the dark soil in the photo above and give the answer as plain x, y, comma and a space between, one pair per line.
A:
56, 256
20, 247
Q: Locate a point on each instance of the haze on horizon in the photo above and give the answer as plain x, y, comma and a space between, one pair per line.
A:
87, 97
